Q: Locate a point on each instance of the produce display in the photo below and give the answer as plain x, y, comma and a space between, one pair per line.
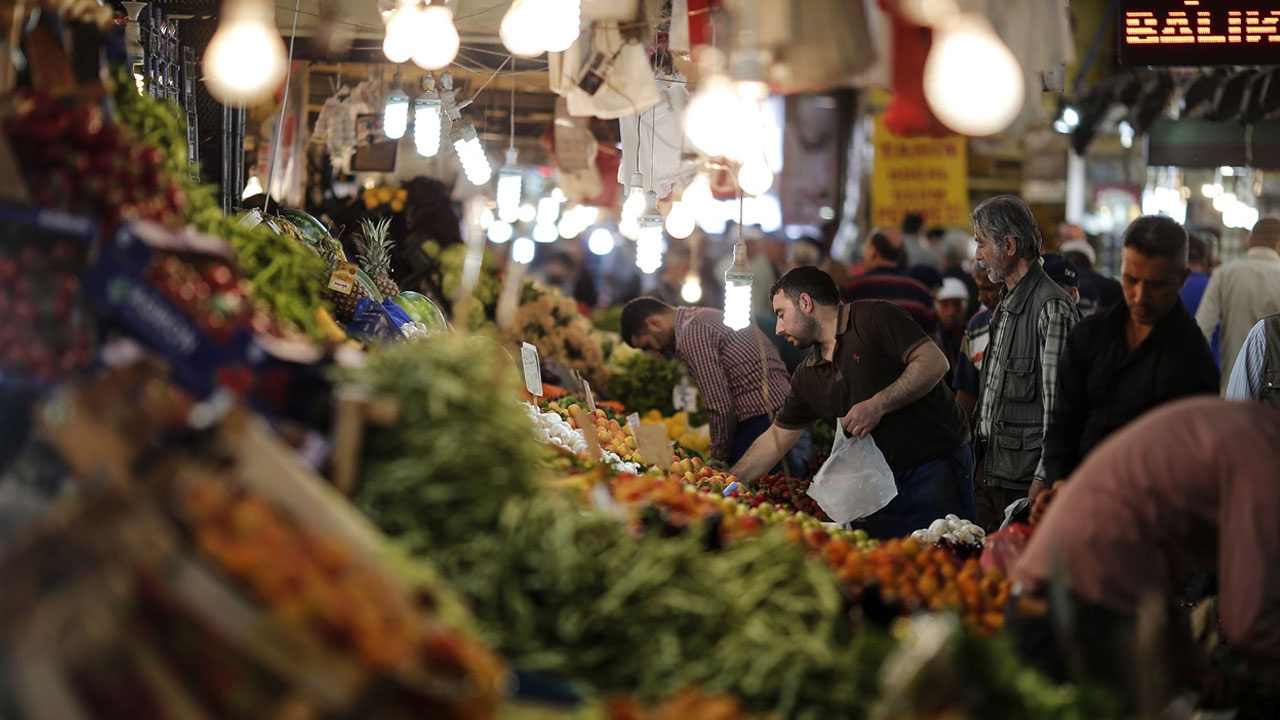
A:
46, 331
552, 322
204, 288
643, 382
375, 255
953, 531
73, 160
784, 493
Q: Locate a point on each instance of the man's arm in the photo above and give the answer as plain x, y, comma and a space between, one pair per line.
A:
1245, 382
926, 366
701, 354
764, 453
1209, 314
1061, 438
1056, 321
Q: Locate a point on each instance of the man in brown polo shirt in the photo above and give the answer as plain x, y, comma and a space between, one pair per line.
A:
872, 368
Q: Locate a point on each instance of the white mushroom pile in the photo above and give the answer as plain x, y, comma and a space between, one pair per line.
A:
554, 430
953, 528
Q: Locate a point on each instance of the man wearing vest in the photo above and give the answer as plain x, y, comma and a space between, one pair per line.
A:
1256, 375
1020, 372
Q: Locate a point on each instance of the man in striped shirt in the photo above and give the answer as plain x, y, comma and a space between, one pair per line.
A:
728, 366
886, 279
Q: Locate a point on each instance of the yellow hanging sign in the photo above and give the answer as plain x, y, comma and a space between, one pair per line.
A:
921, 175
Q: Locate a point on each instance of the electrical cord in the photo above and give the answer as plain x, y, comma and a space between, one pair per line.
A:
284, 105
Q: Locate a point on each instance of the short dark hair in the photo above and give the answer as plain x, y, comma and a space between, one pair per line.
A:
636, 312
885, 248
1157, 236
806, 279
1005, 216
911, 223
936, 233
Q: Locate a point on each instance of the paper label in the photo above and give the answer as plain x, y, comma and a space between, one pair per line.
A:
654, 447
591, 397
532, 369
633, 423
343, 277
684, 397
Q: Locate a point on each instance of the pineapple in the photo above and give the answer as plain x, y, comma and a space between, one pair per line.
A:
344, 305
375, 255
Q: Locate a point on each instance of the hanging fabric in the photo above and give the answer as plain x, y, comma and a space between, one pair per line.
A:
604, 75
659, 135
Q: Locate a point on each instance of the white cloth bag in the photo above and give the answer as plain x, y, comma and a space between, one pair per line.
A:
855, 481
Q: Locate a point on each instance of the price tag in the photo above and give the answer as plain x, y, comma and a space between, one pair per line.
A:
343, 277
591, 398
633, 423
684, 397
654, 447
532, 369
588, 430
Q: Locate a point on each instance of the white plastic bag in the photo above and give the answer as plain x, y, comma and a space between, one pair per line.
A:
855, 481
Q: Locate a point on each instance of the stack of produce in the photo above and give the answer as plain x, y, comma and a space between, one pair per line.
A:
953, 532
643, 382
204, 288
392, 197
481, 307
783, 493
46, 331
904, 576
75, 161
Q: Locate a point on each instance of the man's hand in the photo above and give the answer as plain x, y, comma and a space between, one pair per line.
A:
862, 418
1037, 486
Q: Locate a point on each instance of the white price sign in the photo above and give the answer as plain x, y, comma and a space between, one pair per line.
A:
684, 397
532, 369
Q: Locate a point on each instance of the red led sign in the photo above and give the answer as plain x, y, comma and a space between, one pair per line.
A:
1199, 32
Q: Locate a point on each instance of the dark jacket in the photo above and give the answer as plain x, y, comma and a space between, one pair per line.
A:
1102, 386
1017, 416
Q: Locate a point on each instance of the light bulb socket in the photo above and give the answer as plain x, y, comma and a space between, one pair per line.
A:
637, 180
462, 132
511, 156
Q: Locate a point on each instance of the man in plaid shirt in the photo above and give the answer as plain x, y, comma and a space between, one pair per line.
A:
728, 366
1019, 380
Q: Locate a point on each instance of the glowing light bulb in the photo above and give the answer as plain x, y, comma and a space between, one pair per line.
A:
680, 220
1223, 201
436, 41
519, 30
544, 233
403, 28
600, 242
650, 244
972, 82
528, 212
466, 143
245, 60
691, 291
1211, 190
523, 250
509, 190
737, 290
499, 232
755, 177
395, 113
532, 27
711, 114
426, 124
548, 211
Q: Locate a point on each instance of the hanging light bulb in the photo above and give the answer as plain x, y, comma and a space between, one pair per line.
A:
548, 210
737, 289
245, 60
404, 26
523, 250
509, 188
528, 212
426, 122
755, 177
436, 41
972, 82
649, 241
680, 221
395, 113
466, 143
632, 207
600, 242
532, 27
711, 114
499, 232
691, 291
545, 233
